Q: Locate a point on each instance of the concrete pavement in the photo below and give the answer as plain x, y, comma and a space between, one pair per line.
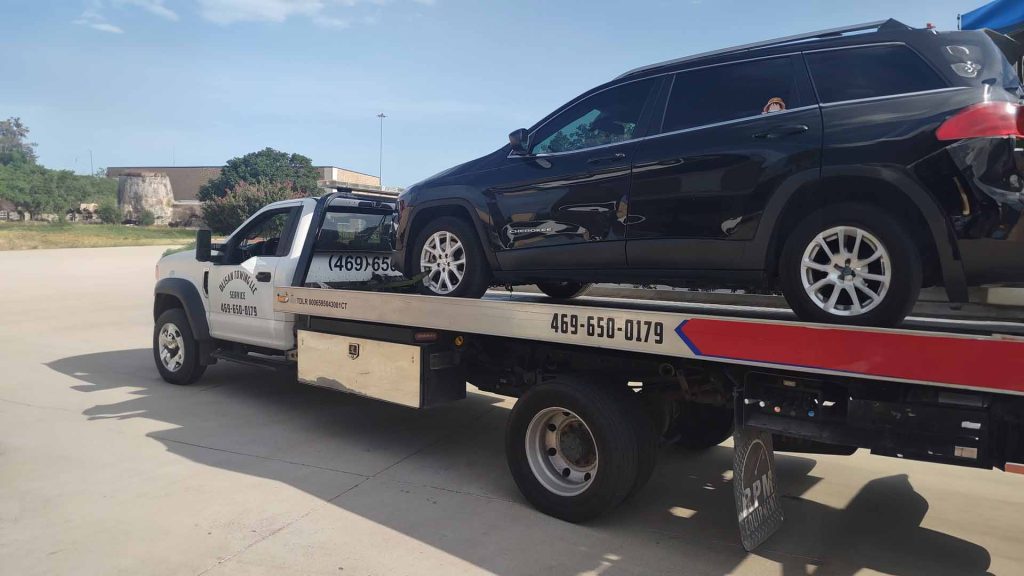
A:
105, 469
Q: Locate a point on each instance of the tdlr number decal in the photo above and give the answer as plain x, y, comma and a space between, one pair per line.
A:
606, 327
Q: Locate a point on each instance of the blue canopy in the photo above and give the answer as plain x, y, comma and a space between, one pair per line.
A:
1004, 16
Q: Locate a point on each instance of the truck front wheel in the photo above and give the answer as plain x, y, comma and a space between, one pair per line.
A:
576, 449
175, 349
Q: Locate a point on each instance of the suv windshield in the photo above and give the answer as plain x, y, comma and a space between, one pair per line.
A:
607, 117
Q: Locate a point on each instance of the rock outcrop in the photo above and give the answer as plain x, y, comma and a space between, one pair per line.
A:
138, 191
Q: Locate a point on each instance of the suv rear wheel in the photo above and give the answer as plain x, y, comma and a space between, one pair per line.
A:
448, 251
850, 264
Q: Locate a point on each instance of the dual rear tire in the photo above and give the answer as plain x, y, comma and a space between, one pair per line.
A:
577, 449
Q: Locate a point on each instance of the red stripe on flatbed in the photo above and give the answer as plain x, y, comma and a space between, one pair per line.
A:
1014, 468
976, 362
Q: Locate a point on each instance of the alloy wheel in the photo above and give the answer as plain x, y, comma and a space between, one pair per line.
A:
443, 258
846, 271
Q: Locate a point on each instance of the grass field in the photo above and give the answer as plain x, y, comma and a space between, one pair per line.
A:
29, 236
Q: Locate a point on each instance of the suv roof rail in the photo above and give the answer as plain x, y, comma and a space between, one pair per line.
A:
878, 25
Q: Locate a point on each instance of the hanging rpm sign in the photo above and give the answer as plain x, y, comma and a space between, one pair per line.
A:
757, 501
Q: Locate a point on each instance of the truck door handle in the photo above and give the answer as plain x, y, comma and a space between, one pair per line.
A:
780, 131
606, 159
263, 276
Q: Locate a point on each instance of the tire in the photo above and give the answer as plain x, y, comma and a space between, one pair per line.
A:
701, 426
647, 438
187, 369
880, 235
439, 233
563, 290
598, 427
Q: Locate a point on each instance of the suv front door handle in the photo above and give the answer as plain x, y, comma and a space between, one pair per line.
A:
263, 276
607, 159
780, 131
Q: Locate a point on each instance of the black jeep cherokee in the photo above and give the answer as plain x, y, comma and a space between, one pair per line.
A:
848, 167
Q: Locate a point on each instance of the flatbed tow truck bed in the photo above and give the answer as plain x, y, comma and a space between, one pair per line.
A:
942, 390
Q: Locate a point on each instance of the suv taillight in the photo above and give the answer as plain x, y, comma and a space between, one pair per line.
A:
987, 119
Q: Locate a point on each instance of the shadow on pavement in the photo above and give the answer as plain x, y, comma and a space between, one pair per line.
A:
683, 522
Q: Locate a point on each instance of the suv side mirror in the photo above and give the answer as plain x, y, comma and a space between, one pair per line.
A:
520, 141
203, 245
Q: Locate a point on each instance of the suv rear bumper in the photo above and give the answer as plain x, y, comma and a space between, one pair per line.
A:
989, 261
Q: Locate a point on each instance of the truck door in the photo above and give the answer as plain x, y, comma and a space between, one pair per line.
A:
241, 285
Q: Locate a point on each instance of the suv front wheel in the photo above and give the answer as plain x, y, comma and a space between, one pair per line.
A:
850, 264
451, 260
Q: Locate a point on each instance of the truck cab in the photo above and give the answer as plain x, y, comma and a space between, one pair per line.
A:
226, 288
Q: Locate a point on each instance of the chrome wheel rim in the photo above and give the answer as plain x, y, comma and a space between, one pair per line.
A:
172, 347
444, 260
846, 271
561, 451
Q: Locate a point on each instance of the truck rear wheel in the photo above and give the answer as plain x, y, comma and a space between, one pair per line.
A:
175, 349
576, 450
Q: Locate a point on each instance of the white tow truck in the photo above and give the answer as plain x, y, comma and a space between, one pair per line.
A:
307, 285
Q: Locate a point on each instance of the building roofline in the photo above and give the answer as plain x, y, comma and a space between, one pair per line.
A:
222, 167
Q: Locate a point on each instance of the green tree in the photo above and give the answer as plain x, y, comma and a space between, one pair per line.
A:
109, 212
269, 167
14, 145
226, 213
36, 189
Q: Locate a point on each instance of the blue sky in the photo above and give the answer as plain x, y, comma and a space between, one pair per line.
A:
195, 82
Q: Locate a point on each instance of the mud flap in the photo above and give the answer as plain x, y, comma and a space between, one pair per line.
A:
758, 508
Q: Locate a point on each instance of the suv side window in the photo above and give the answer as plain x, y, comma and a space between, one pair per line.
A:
607, 117
870, 71
732, 91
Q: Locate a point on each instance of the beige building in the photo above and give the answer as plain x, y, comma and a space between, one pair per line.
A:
185, 182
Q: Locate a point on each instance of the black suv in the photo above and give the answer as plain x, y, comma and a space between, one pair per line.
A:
848, 167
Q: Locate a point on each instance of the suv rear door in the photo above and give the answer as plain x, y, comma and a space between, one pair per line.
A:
731, 135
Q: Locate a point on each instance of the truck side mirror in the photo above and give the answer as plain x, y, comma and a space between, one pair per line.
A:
520, 141
203, 245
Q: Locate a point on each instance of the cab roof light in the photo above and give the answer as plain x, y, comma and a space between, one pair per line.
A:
985, 120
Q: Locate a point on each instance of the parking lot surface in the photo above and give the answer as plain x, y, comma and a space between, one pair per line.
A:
106, 469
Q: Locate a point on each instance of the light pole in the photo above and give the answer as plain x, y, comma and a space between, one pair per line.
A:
380, 156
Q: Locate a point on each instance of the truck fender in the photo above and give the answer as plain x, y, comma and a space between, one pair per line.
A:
186, 293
